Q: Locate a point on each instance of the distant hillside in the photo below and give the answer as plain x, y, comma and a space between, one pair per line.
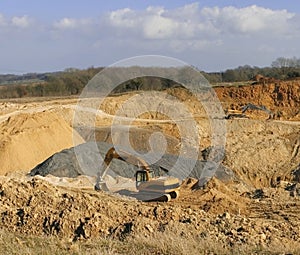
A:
64, 83
71, 81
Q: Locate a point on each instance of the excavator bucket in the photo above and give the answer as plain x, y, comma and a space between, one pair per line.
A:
101, 186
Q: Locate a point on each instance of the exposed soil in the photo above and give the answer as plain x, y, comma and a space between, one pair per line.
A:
216, 212
259, 206
281, 97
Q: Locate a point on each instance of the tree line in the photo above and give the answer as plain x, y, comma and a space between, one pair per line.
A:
71, 81
280, 69
66, 83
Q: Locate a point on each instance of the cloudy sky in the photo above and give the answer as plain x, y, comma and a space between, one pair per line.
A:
37, 36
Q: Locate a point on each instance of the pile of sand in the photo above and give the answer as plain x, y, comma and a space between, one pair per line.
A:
28, 139
215, 196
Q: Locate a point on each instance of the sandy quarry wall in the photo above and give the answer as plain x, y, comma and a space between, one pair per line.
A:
28, 139
281, 97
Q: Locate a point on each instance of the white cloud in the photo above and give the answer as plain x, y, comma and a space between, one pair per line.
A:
2, 20
21, 22
191, 22
193, 45
16, 21
124, 18
249, 19
158, 27
188, 11
188, 22
70, 23
159, 23
65, 23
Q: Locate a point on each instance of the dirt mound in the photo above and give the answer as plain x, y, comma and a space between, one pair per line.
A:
28, 139
216, 196
84, 159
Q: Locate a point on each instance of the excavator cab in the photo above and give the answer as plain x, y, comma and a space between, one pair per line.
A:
143, 176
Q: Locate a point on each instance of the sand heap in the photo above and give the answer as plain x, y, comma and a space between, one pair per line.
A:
28, 139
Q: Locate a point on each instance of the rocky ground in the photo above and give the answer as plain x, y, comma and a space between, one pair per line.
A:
265, 219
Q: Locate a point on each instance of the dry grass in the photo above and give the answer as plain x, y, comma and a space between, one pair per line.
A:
171, 241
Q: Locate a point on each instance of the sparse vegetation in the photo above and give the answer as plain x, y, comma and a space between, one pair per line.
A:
171, 242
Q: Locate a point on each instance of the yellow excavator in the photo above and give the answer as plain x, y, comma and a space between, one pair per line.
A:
149, 187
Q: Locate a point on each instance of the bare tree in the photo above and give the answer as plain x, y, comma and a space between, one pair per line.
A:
286, 62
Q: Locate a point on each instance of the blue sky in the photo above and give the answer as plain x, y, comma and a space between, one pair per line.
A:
37, 36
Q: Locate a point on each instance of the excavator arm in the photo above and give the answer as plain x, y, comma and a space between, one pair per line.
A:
121, 155
149, 188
